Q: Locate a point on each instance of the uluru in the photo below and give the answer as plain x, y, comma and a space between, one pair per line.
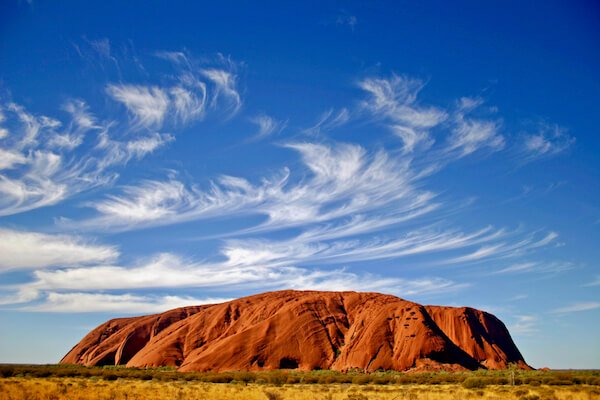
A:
304, 330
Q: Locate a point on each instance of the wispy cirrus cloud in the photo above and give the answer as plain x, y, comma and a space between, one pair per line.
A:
181, 103
58, 290
189, 105
44, 180
347, 194
148, 105
549, 141
524, 325
225, 82
200, 85
344, 179
336, 245
470, 134
150, 201
82, 122
328, 121
27, 127
45, 160
120, 152
339, 204
267, 126
42, 168
577, 307
170, 271
32, 250
549, 268
11, 158
394, 100
508, 249
81, 302
3, 131
100, 54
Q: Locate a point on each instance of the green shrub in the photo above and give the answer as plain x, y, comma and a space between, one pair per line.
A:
381, 380
561, 382
277, 378
218, 378
310, 379
146, 377
500, 380
6, 371
245, 377
474, 383
361, 379
344, 378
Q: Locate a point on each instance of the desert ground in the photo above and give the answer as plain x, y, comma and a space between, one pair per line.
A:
70, 382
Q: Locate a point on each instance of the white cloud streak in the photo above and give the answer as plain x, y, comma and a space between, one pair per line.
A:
39, 166
536, 267
525, 325
341, 193
276, 264
30, 126
577, 307
508, 249
595, 282
22, 249
187, 105
147, 105
44, 161
150, 201
119, 153
81, 122
150, 105
349, 193
549, 141
329, 121
395, 101
267, 126
170, 271
345, 180
471, 134
186, 100
42, 180
225, 89
10, 159
80, 302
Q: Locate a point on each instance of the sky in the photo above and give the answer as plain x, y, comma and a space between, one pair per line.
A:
159, 154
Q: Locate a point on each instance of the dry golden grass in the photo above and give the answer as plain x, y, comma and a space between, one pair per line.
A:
53, 388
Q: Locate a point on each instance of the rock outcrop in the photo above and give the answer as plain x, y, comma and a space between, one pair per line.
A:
306, 330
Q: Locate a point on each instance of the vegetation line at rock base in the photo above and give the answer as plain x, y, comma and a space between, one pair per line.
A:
470, 380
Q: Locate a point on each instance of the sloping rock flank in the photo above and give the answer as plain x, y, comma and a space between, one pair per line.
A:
306, 330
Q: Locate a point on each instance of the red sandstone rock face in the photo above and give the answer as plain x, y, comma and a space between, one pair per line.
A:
306, 330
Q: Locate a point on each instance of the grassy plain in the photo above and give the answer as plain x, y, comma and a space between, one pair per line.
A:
70, 382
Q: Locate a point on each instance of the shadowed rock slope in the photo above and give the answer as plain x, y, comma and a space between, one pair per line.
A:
306, 330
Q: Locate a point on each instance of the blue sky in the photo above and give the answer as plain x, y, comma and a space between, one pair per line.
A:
160, 154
